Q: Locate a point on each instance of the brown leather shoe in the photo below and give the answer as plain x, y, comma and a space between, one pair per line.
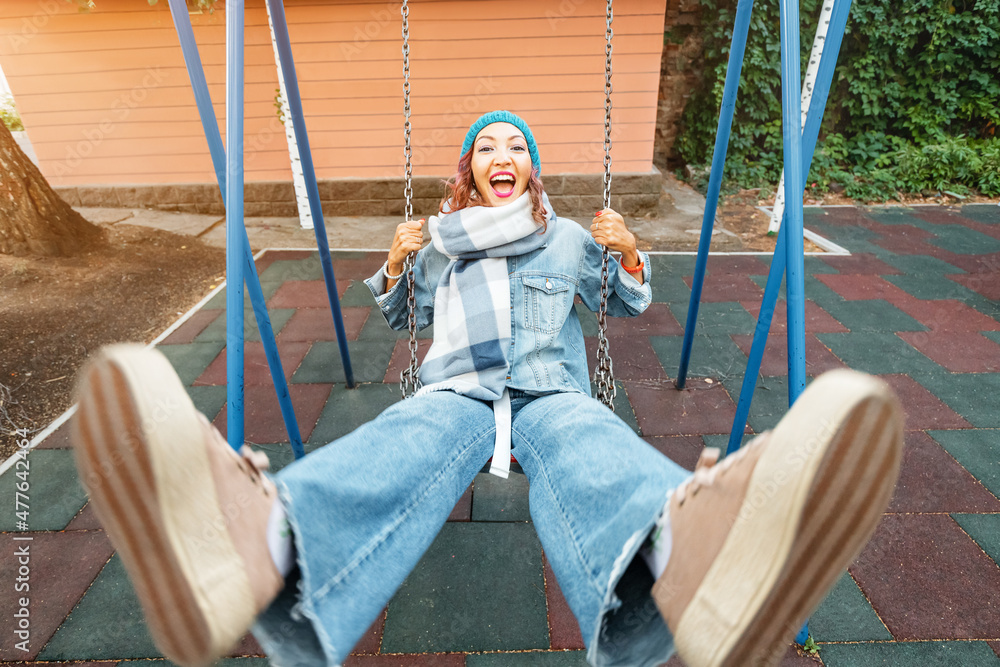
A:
185, 512
760, 538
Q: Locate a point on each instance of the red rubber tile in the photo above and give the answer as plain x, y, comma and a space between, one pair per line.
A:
255, 368
683, 450
989, 264
86, 519
817, 320
927, 579
313, 324
720, 287
263, 422
305, 294
738, 264
657, 320
663, 410
861, 263
248, 646
634, 358
58, 439
371, 641
931, 480
958, 352
61, 568
564, 632
944, 216
358, 269
995, 646
948, 315
407, 660
863, 287
401, 358
906, 244
819, 358
987, 284
194, 325
463, 508
923, 409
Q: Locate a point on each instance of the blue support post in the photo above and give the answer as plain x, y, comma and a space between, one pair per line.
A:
287, 64
791, 129
234, 222
733, 70
817, 106
182, 24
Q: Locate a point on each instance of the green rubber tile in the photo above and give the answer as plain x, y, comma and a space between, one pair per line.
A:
909, 654
209, 399
496, 499
974, 396
713, 355
878, 353
532, 659
677, 265
986, 213
814, 265
984, 529
892, 215
669, 288
623, 406
721, 441
293, 269
478, 588
930, 286
347, 409
922, 265
279, 454
724, 317
216, 331
964, 241
191, 359
770, 400
358, 294
588, 320
53, 496
978, 450
872, 315
106, 624
845, 615
369, 360
992, 335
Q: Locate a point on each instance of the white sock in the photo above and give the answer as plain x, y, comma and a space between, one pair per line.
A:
279, 539
656, 551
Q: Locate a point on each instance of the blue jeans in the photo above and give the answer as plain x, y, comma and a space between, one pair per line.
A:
366, 507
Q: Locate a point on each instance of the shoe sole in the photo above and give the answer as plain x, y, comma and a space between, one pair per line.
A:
141, 455
809, 510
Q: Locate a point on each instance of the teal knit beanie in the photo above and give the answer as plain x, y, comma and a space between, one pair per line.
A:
503, 117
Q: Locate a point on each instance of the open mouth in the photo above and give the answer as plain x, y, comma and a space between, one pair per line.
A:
502, 183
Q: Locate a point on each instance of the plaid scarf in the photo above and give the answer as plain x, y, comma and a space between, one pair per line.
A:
472, 326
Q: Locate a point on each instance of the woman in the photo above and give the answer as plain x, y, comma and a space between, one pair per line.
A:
732, 557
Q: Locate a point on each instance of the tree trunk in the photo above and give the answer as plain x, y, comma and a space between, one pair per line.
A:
33, 218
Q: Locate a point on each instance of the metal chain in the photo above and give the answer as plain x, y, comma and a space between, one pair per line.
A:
604, 376
409, 382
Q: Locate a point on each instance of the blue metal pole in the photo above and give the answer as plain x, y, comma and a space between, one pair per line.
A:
817, 106
733, 69
182, 23
791, 112
791, 128
302, 138
234, 221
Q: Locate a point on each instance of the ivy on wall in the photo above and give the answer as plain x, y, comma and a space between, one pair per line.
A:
914, 105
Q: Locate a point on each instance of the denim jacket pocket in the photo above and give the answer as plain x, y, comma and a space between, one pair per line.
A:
546, 299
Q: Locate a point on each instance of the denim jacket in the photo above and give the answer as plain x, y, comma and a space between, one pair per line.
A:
547, 350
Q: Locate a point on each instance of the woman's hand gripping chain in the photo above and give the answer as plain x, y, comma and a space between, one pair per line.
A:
409, 237
609, 230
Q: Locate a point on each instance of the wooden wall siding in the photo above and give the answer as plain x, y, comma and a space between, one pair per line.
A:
106, 99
